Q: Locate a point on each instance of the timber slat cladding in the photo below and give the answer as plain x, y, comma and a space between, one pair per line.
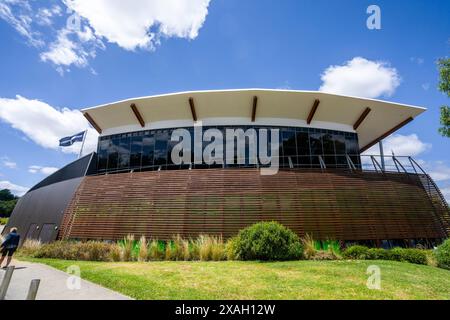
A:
329, 205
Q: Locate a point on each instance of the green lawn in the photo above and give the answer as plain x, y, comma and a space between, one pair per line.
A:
254, 280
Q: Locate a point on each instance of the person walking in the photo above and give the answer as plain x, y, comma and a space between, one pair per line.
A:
9, 246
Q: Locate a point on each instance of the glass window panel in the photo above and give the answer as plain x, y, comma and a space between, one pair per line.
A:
136, 151
148, 150
103, 154
315, 140
328, 150
339, 144
161, 141
124, 152
304, 153
352, 146
289, 147
113, 154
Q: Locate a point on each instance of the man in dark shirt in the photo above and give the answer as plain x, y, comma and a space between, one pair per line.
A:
9, 246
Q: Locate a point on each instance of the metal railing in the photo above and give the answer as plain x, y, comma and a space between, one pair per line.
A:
377, 163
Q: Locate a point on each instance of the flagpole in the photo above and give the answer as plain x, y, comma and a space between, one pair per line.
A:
82, 145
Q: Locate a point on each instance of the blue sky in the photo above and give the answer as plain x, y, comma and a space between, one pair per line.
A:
146, 49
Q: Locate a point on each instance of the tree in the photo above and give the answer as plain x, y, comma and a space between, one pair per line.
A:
7, 202
444, 86
6, 195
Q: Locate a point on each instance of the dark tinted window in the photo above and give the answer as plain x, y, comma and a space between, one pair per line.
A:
148, 150
124, 152
103, 155
162, 139
136, 151
151, 150
113, 153
328, 150
304, 152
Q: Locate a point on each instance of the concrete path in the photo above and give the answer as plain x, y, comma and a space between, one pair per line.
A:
53, 285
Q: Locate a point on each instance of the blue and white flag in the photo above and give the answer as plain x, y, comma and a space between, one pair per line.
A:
68, 141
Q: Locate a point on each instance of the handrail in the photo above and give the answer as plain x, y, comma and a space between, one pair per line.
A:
352, 162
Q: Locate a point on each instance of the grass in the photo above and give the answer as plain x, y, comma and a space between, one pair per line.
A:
255, 280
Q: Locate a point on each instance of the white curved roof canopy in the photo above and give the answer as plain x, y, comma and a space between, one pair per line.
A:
376, 118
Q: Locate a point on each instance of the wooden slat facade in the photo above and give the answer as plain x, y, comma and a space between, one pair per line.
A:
335, 204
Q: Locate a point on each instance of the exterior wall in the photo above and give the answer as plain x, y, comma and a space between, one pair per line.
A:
332, 204
39, 213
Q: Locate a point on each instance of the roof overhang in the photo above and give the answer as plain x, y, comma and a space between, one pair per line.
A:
319, 108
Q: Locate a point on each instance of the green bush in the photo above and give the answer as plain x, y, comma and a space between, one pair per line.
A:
230, 249
4, 221
156, 251
268, 241
356, 252
442, 255
416, 256
377, 254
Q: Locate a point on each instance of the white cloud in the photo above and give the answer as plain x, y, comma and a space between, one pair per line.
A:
15, 189
66, 52
401, 145
361, 77
438, 170
42, 170
426, 86
134, 24
46, 125
141, 23
45, 16
446, 193
18, 13
6, 162
416, 60
411, 145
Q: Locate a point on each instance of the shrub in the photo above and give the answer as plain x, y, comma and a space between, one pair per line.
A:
30, 247
231, 248
218, 249
3, 221
377, 254
169, 252
416, 256
176, 249
210, 248
115, 253
128, 248
325, 255
194, 250
185, 248
332, 246
143, 249
268, 241
156, 251
320, 250
68, 250
309, 246
356, 252
442, 255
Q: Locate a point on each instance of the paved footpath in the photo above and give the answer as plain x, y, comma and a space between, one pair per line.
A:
53, 285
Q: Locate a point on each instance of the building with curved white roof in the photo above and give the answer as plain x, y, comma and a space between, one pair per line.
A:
198, 162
